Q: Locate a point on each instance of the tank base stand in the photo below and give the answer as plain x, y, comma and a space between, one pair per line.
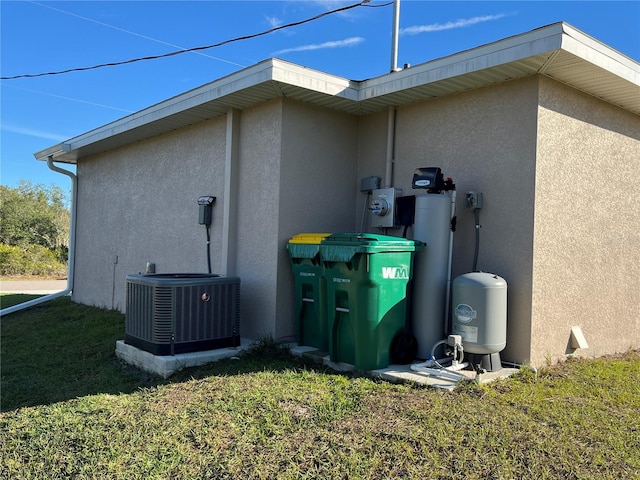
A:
483, 363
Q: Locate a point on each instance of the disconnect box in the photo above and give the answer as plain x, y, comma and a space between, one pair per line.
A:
383, 206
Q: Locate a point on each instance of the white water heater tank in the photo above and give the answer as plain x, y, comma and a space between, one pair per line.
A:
479, 312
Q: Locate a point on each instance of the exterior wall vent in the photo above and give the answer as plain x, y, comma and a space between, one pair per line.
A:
170, 313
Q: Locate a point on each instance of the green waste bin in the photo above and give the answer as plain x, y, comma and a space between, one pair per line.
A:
310, 297
367, 280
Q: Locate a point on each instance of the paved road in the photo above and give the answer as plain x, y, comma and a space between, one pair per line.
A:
36, 287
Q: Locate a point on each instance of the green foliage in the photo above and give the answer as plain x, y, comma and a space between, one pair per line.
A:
33, 215
34, 230
30, 260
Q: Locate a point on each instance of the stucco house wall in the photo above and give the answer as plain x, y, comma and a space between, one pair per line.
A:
297, 173
137, 204
587, 218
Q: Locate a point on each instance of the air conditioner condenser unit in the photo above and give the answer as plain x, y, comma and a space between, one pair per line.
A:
170, 313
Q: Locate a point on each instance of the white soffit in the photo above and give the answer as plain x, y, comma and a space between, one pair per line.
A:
558, 51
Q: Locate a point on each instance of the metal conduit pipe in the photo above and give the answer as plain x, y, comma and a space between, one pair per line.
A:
72, 248
391, 139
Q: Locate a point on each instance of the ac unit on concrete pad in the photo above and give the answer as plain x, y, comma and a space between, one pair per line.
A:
170, 313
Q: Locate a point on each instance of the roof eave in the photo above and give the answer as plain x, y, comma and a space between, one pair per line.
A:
558, 51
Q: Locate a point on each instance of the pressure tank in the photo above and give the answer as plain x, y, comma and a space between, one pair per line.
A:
432, 225
479, 312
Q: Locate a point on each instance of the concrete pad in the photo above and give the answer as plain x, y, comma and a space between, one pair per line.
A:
300, 350
404, 373
166, 365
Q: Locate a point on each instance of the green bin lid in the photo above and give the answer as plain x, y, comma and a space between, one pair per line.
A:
305, 245
303, 250
341, 247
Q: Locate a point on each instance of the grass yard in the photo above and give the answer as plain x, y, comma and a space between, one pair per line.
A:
71, 410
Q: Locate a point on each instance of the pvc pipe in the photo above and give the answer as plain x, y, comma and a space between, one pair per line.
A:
436, 345
437, 372
394, 36
447, 301
72, 248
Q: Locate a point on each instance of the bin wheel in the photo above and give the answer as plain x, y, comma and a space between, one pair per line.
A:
404, 348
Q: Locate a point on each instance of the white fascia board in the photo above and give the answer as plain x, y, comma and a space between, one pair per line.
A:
314, 80
519, 47
599, 54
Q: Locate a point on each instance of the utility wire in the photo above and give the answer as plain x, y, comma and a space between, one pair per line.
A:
194, 49
51, 7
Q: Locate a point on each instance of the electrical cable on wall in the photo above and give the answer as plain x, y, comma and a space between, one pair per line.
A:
196, 49
208, 247
476, 215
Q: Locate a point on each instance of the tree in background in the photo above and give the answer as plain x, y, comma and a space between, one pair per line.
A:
34, 229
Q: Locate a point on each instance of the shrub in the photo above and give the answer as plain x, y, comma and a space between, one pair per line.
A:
30, 260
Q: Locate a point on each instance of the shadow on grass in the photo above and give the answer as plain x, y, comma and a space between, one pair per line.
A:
60, 350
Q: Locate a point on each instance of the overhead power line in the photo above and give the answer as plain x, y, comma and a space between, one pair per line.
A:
194, 49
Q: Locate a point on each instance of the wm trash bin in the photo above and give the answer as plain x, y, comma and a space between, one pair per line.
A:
310, 290
367, 283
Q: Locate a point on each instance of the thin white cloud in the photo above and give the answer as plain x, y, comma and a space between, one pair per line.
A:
333, 4
460, 23
146, 37
274, 22
347, 42
70, 99
32, 132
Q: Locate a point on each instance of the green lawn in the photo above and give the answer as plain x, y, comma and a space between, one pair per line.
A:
71, 410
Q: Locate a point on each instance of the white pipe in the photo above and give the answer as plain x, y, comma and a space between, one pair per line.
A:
230, 204
394, 36
72, 248
437, 372
391, 138
447, 301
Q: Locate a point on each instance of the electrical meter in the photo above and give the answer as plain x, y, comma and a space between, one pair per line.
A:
382, 207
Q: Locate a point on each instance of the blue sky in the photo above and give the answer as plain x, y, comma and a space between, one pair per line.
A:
50, 36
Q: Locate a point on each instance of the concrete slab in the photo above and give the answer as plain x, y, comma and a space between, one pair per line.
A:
166, 365
404, 373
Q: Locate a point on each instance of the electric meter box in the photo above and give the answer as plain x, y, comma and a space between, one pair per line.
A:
383, 207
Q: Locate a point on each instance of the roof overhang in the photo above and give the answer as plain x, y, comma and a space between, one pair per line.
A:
558, 51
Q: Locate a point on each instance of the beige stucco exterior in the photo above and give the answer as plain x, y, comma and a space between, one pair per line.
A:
140, 209
557, 166
586, 241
